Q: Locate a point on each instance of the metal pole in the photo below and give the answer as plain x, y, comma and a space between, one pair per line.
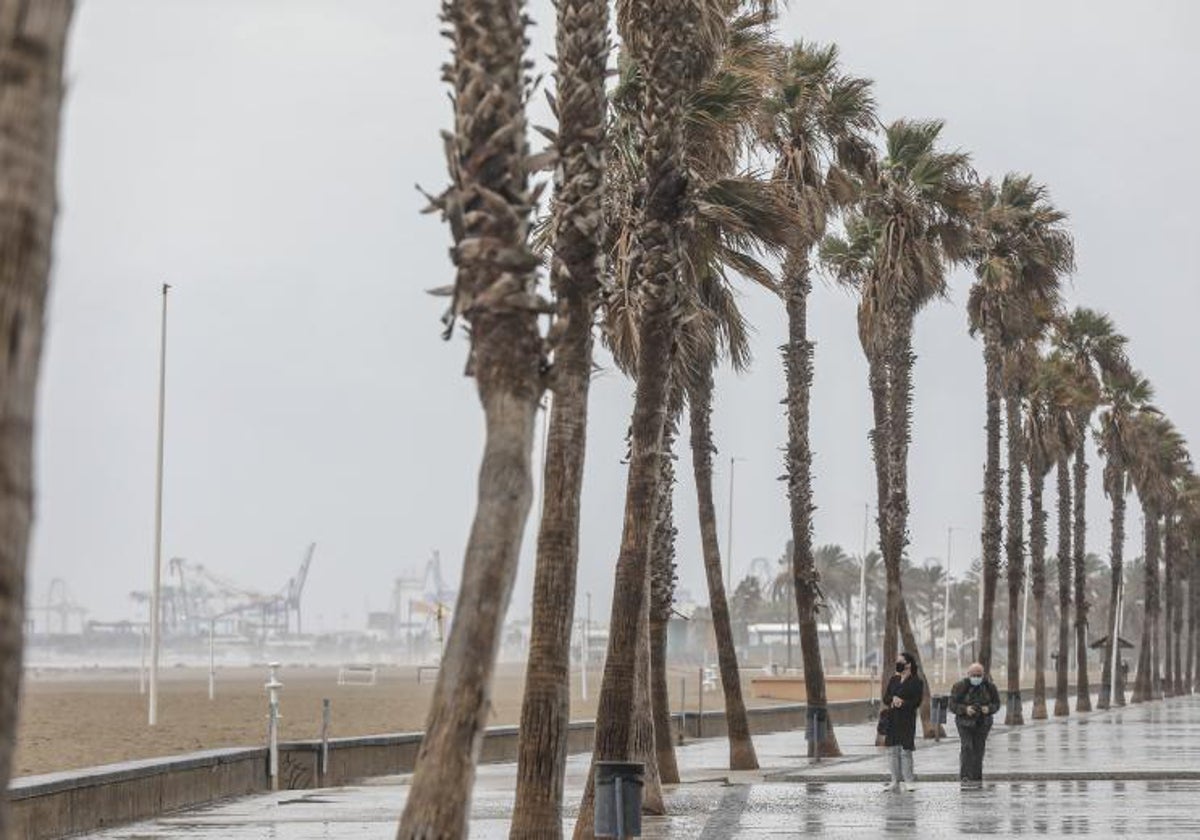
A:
587, 642
155, 606
862, 594
700, 706
212, 629
326, 717
273, 686
946, 607
729, 534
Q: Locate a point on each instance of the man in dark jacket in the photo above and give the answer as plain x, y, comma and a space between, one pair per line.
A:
973, 701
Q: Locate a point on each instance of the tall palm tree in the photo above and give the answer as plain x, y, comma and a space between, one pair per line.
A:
910, 224
670, 198
1090, 340
1021, 252
1159, 458
582, 109
1044, 395
817, 121
32, 47
736, 216
670, 69
489, 200
1064, 432
1125, 397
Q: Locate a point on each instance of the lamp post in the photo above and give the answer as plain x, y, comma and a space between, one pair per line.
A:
156, 578
946, 603
862, 593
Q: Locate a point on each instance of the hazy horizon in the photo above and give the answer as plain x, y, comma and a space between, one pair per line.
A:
262, 158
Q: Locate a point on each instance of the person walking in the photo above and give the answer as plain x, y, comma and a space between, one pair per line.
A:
973, 701
901, 699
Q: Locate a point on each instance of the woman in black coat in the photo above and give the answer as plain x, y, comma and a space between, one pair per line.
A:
901, 701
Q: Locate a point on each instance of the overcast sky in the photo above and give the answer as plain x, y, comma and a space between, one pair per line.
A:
261, 156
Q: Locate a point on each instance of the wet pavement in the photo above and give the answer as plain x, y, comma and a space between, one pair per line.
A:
1132, 772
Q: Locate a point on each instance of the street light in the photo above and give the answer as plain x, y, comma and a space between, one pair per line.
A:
155, 606
862, 592
946, 606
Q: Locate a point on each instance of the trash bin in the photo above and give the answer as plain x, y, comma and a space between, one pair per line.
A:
618, 799
941, 704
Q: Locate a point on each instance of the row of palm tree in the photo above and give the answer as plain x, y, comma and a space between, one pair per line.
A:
661, 202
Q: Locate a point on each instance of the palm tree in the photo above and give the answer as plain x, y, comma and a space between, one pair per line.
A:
1021, 252
735, 216
1089, 340
817, 121
1020, 359
582, 107
1125, 397
488, 201
1159, 458
32, 46
909, 226
656, 293
1049, 397
670, 68
1064, 432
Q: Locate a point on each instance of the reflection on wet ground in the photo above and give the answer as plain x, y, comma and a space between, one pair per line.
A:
1157, 742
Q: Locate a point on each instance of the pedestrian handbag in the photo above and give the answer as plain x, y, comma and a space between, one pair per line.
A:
881, 728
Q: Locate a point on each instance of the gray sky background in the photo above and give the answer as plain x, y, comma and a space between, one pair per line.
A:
261, 155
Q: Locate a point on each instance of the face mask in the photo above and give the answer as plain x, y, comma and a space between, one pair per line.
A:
900, 666
976, 680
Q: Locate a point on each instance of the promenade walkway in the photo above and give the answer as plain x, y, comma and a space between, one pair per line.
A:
1132, 772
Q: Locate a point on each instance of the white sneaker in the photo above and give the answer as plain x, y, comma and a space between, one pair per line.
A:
909, 787
891, 786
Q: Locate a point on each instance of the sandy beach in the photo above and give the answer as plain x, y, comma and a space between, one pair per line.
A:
81, 718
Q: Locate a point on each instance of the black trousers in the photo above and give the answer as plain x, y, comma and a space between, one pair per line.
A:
972, 743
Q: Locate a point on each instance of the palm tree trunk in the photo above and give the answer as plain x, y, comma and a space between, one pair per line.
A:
1062, 676
1193, 646
878, 379
1169, 585
1015, 548
488, 153
1175, 593
741, 747
1154, 611
798, 366
900, 433
1143, 686
546, 708
991, 533
1111, 692
643, 747
666, 64
1083, 692
662, 596
1037, 562
32, 45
